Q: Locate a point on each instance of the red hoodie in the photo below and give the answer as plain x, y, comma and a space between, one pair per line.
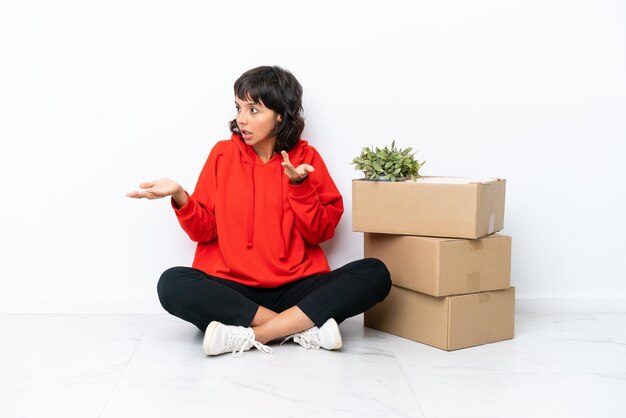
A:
251, 224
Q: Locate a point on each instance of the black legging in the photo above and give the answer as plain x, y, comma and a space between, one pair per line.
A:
199, 298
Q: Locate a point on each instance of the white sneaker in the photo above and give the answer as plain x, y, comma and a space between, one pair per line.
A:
327, 336
220, 338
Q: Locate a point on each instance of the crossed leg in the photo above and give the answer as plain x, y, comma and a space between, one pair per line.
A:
269, 325
341, 293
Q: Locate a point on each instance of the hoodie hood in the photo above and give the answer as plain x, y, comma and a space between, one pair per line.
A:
249, 161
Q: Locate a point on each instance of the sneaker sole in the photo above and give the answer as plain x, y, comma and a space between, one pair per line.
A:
208, 336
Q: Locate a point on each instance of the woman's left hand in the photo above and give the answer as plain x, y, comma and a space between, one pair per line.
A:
296, 174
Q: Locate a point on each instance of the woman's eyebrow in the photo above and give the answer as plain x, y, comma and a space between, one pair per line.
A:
248, 103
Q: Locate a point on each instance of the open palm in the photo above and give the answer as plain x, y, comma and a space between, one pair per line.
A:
295, 173
156, 189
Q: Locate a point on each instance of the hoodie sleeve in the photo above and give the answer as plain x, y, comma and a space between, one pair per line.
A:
197, 216
317, 203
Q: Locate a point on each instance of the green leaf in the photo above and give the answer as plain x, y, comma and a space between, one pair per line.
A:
388, 162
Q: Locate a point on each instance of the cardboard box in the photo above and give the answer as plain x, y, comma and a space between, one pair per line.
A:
443, 266
449, 322
452, 207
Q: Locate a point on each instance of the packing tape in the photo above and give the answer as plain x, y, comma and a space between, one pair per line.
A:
476, 244
492, 223
473, 281
484, 297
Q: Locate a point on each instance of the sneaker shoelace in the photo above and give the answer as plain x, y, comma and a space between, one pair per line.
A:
240, 341
307, 339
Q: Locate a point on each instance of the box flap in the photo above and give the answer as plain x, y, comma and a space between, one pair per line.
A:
453, 180
492, 180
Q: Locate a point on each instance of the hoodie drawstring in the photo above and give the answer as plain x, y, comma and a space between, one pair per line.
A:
281, 211
281, 215
251, 197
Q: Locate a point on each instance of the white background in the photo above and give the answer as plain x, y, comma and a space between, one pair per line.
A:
97, 97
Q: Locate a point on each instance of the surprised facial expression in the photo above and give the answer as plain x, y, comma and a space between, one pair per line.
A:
255, 121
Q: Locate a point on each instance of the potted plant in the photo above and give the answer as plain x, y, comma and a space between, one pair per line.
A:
388, 164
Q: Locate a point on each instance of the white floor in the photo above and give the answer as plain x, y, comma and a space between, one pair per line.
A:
573, 365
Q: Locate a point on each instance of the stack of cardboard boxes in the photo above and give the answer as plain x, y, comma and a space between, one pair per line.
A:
450, 271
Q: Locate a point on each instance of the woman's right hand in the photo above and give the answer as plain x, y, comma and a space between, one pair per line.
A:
158, 189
